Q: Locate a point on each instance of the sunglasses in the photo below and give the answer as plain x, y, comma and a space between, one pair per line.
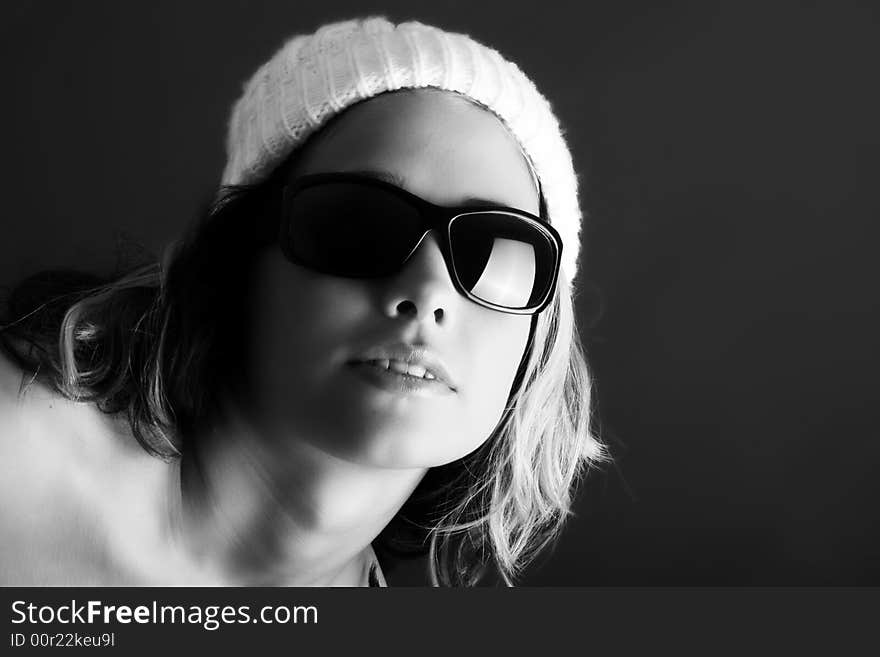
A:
356, 226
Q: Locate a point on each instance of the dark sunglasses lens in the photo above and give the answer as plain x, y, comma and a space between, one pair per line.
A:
502, 258
347, 229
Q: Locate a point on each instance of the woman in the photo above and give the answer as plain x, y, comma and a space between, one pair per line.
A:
368, 341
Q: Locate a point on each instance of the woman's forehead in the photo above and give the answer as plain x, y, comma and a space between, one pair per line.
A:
443, 147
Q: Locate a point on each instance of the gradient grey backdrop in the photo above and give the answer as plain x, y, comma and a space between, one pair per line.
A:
728, 154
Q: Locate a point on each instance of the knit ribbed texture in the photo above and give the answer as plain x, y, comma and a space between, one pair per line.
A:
314, 77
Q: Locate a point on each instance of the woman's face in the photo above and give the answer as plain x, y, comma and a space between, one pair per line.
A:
307, 329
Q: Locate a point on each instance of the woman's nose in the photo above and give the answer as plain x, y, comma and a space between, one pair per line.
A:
422, 289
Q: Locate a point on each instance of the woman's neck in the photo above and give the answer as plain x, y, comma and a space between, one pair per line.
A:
258, 509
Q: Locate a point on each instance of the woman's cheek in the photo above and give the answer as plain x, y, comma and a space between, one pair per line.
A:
498, 350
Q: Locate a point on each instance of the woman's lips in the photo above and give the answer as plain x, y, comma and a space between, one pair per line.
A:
394, 377
407, 359
401, 367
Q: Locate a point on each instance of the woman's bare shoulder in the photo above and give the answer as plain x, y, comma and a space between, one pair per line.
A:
48, 442
11, 380
14, 405
60, 466
25, 404
32, 436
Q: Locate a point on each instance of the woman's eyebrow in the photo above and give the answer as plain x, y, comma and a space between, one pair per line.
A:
394, 179
386, 176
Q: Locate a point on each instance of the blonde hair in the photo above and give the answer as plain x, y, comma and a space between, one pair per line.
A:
543, 446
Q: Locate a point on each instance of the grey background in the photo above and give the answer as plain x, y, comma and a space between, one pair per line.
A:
728, 155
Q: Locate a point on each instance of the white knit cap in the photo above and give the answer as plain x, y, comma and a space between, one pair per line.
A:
314, 77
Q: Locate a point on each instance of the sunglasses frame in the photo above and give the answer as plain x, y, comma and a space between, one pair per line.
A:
434, 217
